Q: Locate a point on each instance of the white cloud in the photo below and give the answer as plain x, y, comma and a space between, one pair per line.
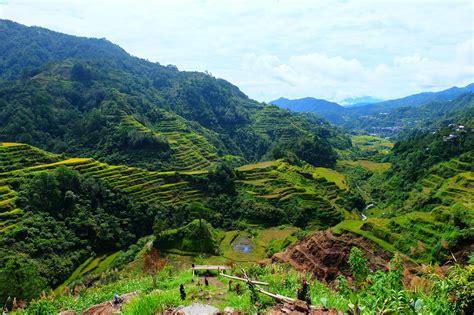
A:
273, 48
336, 78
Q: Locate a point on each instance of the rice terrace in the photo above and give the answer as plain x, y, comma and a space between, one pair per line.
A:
236, 157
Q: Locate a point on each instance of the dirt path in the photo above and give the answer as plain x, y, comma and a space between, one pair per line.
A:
198, 309
214, 294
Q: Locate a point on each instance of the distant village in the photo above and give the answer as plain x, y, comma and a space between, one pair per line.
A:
456, 131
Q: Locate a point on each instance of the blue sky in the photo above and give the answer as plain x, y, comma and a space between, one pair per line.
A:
327, 49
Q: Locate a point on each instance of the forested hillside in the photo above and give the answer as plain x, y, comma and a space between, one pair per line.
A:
422, 205
122, 109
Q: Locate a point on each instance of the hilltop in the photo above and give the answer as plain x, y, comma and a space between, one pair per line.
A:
328, 110
90, 98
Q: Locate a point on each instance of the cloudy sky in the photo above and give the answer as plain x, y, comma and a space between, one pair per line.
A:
329, 49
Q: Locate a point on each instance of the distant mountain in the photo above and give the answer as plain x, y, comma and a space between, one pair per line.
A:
415, 100
387, 118
359, 101
329, 110
392, 121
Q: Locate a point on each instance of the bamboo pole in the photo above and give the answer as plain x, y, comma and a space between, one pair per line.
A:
245, 280
276, 296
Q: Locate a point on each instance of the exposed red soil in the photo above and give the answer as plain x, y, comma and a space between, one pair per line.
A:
325, 254
301, 308
109, 307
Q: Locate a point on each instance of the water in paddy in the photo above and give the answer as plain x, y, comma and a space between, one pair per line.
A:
242, 244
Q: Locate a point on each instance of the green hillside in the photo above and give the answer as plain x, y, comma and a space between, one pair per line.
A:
124, 110
38, 186
423, 204
287, 187
116, 173
275, 183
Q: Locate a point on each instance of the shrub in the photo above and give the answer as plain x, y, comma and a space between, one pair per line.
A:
358, 265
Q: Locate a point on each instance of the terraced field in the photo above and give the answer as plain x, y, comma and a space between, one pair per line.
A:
452, 181
145, 186
191, 151
278, 124
93, 265
281, 184
14, 156
372, 144
417, 233
275, 182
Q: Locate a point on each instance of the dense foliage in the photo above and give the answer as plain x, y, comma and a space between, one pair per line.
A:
196, 237
68, 218
385, 292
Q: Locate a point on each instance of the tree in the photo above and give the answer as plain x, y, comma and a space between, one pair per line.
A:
221, 179
199, 211
153, 263
159, 226
19, 278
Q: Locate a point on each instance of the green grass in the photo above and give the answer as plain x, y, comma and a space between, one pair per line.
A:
369, 165
331, 176
95, 265
371, 143
151, 300
250, 167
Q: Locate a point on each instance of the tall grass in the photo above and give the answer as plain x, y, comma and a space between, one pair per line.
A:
156, 301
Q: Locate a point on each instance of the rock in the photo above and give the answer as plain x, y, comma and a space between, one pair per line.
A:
69, 312
288, 306
229, 309
301, 306
109, 307
198, 309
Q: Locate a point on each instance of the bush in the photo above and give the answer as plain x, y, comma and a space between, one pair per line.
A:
358, 265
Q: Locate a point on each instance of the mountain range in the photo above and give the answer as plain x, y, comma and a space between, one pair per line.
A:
386, 118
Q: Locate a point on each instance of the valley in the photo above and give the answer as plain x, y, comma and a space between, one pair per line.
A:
118, 175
